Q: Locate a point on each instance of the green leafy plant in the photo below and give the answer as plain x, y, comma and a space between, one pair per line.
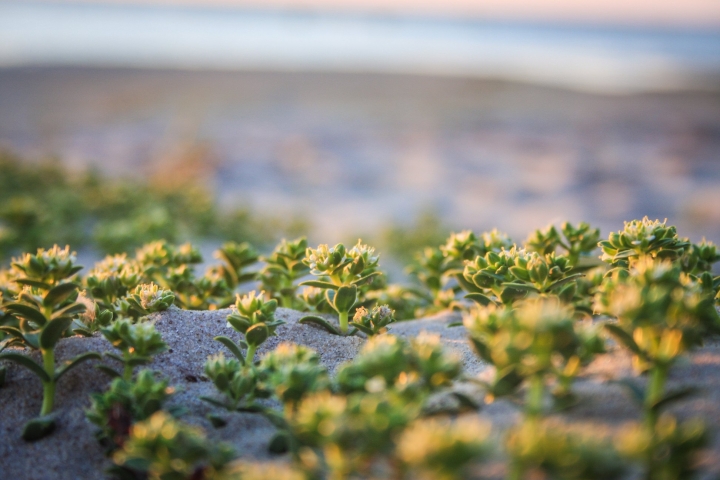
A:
436, 267
414, 368
125, 403
138, 342
45, 308
661, 314
669, 451
340, 272
162, 447
147, 298
112, 279
236, 381
343, 435
641, 238
283, 267
373, 322
511, 275
577, 242
442, 449
551, 450
254, 317
534, 344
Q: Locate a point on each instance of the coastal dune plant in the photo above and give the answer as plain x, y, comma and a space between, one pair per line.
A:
282, 270
162, 447
340, 272
125, 403
534, 344
45, 308
137, 342
253, 317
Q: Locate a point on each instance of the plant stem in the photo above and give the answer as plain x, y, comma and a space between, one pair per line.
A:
343, 319
535, 396
48, 387
250, 355
655, 389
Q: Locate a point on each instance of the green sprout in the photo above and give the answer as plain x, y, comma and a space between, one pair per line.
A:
552, 450
164, 448
342, 435
90, 322
138, 343
125, 403
147, 298
535, 343
236, 257
435, 268
340, 273
45, 309
442, 449
236, 381
374, 322
414, 368
254, 317
661, 314
283, 267
577, 242
511, 275
112, 279
291, 372
669, 451
641, 238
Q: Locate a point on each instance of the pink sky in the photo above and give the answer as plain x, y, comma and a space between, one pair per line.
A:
648, 12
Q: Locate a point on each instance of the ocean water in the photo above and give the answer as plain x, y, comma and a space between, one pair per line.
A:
592, 58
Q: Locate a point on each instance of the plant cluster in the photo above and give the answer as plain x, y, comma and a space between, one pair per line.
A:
536, 312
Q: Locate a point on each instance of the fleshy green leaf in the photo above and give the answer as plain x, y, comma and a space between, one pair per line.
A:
59, 294
28, 312
480, 298
233, 347
319, 284
70, 364
28, 363
321, 322
53, 331
345, 298
623, 337
38, 428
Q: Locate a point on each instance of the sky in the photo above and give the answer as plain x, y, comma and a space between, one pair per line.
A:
672, 13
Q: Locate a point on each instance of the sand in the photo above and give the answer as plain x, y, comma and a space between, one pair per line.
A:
72, 452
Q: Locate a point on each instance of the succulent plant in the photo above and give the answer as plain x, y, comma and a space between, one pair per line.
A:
577, 242
668, 451
162, 447
551, 450
514, 274
442, 449
414, 367
45, 308
661, 314
236, 381
138, 342
125, 403
283, 267
291, 372
373, 322
343, 435
340, 272
534, 343
641, 238
112, 279
254, 317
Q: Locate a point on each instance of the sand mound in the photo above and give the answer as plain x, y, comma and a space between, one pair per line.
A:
72, 451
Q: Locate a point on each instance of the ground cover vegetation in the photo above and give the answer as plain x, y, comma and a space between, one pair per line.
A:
536, 311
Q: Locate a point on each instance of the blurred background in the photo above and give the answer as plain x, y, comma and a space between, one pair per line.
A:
394, 120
